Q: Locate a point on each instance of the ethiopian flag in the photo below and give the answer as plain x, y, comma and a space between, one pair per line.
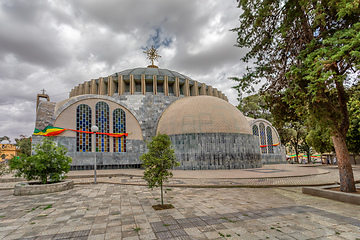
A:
53, 131
49, 131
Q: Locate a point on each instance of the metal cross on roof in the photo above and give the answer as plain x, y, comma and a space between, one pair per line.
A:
43, 91
152, 54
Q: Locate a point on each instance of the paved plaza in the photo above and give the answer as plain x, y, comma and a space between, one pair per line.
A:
119, 209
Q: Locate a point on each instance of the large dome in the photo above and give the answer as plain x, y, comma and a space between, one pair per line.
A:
152, 71
202, 114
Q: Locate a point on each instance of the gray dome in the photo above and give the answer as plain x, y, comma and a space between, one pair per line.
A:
152, 71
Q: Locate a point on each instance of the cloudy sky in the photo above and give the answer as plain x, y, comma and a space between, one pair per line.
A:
55, 45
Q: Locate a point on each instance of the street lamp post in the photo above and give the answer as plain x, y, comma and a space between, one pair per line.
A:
94, 129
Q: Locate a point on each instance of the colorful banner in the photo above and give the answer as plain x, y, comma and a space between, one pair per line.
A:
270, 145
53, 131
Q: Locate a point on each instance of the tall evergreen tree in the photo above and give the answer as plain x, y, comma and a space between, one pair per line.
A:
304, 51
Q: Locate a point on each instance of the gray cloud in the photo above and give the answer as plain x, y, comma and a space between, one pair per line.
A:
58, 44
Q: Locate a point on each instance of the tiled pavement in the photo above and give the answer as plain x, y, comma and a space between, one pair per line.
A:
117, 211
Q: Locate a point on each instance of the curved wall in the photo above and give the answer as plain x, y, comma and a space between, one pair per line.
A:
202, 151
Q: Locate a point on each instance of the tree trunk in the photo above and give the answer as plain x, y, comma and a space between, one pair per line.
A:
347, 183
162, 201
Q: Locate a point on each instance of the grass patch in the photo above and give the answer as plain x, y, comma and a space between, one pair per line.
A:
337, 233
166, 224
42, 215
137, 229
48, 206
168, 189
2, 216
227, 219
221, 234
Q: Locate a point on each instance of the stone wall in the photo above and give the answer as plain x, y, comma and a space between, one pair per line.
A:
216, 151
44, 114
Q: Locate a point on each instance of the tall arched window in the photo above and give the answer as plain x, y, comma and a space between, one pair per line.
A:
119, 126
255, 130
83, 123
262, 137
269, 140
102, 121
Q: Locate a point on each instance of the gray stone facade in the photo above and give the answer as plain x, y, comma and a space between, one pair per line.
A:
194, 151
200, 151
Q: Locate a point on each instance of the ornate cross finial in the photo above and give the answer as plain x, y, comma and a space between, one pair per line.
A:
43, 91
152, 54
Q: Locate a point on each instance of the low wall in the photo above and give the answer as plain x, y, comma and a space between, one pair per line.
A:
27, 189
324, 192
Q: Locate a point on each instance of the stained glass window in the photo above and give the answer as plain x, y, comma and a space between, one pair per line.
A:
255, 130
102, 121
119, 126
83, 123
269, 140
262, 137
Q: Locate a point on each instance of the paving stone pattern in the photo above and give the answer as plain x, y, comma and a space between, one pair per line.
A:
113, 211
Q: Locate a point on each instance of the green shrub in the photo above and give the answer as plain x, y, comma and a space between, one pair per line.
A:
48, 164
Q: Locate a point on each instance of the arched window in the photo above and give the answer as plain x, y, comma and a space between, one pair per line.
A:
119, 126
102, 121
262, 137
83, 123
255, 130
269, 140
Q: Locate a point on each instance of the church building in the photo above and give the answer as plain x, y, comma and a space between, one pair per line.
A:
131, 106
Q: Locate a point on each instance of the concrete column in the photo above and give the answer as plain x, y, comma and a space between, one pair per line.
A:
219, 94
121, 85
209, 91
111, 86
76, 90
93, 87
203, 89
132, 85
86, 87
81, 89
166, 85
226, 98
223, 96
195, 89
101, 86
186, 89
177, 87
215, 92
154, 84
71, 94
143, 84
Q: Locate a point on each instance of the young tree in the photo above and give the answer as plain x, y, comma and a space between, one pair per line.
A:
293, 134
305, 50
48, 163
158, 161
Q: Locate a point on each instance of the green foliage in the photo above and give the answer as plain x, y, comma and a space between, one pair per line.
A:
158, 161
353, 135
254, 106
292, 135
304, 51
319, 138
48, 163
24, 144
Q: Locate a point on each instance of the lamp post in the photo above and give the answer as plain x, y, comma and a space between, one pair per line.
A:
94, 129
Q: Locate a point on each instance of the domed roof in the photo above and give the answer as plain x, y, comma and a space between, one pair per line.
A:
152, 71
202, 114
